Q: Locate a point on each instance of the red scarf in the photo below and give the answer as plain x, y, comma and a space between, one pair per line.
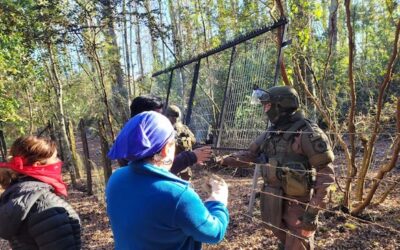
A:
50, 174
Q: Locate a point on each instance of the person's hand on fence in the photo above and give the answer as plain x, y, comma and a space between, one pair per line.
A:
218, 189
203, 154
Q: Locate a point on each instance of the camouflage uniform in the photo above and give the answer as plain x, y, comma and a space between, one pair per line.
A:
185, 139
301, 170
299, 158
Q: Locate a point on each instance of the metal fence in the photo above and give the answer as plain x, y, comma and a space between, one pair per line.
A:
214, 88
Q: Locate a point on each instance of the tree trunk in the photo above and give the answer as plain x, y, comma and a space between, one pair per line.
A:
282, 66
396, 148
88, 165
97, 69
3, 146
332, 43
127, 53
139, 42
120, 95
176, 39
152, 25
164, 59
351, 171
107, 170
75, 156
388, 191
29, 97
133, 84
333, 31
58, 89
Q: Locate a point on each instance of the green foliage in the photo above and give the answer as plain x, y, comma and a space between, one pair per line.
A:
8, 109
27, 26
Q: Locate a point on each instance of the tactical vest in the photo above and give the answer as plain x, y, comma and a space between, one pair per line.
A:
288, 170
184, 138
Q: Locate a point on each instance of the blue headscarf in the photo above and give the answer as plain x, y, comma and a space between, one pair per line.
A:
143, 136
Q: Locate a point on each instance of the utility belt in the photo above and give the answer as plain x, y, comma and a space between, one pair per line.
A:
293, 177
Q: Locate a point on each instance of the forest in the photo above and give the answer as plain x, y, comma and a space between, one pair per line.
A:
70, 69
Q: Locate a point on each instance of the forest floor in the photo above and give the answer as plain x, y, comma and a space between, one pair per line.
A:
378, 228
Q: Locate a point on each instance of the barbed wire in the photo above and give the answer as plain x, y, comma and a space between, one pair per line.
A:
350, 217
304, 132
336, 176
273, 226
251, 164
356, 219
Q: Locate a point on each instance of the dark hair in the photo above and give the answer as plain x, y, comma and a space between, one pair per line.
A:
145, 103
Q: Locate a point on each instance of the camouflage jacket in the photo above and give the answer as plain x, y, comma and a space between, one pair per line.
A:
184, 138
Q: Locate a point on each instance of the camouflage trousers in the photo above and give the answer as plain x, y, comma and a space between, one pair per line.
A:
291, 211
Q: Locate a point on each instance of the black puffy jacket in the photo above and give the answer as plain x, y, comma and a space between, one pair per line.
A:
33, 217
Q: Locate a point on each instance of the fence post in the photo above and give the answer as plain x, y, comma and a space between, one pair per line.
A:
256, 174
226, 93
168, 90
107, 170
192, 92
86, 157
3, 146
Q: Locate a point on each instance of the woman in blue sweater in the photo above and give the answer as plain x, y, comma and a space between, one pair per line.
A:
151, 208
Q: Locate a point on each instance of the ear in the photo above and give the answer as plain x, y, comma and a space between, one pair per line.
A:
36, 163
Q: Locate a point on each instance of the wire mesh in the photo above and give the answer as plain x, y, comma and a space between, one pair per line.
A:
254, 64
159, 85
180, 88
208, 99
220, 111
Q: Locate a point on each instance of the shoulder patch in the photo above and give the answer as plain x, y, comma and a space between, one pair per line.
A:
316, 146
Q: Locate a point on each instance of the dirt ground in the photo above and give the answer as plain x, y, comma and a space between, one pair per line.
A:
379, 227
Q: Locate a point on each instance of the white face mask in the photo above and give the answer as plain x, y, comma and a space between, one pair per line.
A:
255, 96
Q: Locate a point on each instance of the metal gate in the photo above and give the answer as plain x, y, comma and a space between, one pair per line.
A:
214, 88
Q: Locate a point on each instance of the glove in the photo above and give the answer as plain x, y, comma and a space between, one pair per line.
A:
218, 188
309, 221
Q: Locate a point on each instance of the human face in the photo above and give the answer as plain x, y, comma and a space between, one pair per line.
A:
168, 155
267, 106
171, 149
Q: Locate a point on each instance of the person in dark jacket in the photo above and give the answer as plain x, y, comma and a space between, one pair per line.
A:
151, 208
182, 160
32, 213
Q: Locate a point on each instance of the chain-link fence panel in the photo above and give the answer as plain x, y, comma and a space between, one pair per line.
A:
254, 64
213, 90
209, 96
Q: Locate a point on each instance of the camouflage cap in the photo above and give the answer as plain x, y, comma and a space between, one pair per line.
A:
173, 111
